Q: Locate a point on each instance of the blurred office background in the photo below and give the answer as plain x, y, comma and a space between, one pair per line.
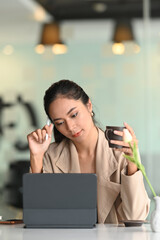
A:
110, 48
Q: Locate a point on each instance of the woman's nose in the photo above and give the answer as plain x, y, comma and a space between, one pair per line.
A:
70, 125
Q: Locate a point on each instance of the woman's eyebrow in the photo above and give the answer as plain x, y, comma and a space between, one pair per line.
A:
70, 110
56, 119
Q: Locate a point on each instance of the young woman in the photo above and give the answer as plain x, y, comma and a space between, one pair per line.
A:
81, 147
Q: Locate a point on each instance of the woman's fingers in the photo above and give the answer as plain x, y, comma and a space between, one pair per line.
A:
48, 129
130, 129
43, 134
125, 146
124, 150
34, 135
121, 143
39, 134
119, 133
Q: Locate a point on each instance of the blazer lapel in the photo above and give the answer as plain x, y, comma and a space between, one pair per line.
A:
68, 161
106, 165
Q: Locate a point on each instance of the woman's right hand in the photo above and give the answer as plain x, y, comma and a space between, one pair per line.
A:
38, 145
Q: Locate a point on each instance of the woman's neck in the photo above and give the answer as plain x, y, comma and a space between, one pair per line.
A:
89, 145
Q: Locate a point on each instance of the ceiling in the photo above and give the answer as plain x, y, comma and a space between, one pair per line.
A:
19, 26
91, 9
17, 21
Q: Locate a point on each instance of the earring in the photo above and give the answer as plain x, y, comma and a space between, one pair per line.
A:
92, 114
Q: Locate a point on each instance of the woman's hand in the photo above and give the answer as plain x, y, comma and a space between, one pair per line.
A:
132, 168
38, 145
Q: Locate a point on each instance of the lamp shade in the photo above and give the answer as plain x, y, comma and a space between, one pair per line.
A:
123, 31
50, 34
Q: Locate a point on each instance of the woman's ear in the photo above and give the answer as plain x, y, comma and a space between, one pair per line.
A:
89, 106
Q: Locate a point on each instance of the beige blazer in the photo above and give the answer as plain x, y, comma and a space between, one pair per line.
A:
118, 196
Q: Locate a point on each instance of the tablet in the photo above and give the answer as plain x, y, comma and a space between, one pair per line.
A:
60, 200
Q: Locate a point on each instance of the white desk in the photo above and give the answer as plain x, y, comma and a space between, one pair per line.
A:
100, 232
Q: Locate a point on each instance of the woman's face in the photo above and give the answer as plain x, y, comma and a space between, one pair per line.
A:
72, 118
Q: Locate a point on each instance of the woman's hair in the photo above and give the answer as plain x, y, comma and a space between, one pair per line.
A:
67, 89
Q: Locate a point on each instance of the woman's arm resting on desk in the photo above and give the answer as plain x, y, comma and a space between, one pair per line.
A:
135, 202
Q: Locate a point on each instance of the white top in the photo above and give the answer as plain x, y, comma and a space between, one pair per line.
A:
100, 232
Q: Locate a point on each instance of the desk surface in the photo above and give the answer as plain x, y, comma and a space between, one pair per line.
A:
100, 232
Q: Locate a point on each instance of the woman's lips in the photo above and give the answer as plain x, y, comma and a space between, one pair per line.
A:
77, 134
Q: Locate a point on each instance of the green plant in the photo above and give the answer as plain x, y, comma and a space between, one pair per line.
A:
135, 159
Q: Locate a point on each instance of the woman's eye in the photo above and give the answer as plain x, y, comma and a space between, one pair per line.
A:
58, 124
74, 115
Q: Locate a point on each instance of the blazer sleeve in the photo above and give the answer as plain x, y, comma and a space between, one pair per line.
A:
135, 203
47, 164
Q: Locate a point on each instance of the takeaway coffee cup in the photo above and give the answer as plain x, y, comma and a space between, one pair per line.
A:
109, 134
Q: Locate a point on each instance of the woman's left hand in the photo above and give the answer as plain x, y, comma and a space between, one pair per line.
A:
132, 168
